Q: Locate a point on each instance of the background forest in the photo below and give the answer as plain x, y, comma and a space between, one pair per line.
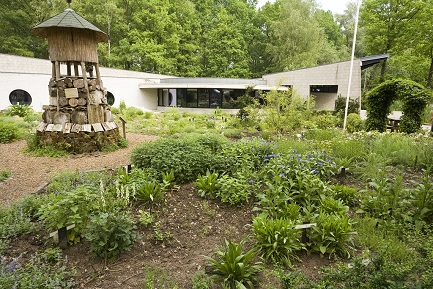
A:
236, 38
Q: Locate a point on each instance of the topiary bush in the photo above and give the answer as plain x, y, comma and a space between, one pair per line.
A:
414, 96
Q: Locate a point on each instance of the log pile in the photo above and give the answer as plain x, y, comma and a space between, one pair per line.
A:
78, 117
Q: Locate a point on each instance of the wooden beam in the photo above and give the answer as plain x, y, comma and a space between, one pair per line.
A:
57, 65
68, 68
76, 69
84, 72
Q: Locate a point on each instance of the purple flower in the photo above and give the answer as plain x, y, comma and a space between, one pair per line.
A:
282, 175
281, 166
251, 182
320, 163
315, 172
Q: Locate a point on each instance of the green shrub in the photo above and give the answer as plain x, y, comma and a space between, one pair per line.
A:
207, 185
233, 190
187, 158
332, 235
8, 132
233, 267
340, 106
38, 272
74, 207
354, 122
110, 234
347, 194
19, 110
277, 240
149, 192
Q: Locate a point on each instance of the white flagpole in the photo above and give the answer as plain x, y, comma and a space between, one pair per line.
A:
358, 5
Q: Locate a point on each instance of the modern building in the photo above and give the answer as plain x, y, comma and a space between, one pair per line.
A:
24, 80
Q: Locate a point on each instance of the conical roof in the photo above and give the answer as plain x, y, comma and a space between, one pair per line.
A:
68, 19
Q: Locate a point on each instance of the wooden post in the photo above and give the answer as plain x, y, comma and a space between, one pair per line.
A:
304, 228
61, 236
57, 67
98, 74
68, 68
123, 125
83, 70
54, 70
76, 69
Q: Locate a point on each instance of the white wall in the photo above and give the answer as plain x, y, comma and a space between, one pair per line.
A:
33, 76
330, 74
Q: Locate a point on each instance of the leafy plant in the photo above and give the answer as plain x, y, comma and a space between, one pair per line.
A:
277, 240
332, 235
19, 110
156, 278
159, 235
145, 218
110, 234
37, 272
4, 175
233, 267
74, 207
207, 185
422, 200
234, 191
201, 280
8, 132
150, 192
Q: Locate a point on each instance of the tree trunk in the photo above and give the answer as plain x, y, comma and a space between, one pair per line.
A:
430, 74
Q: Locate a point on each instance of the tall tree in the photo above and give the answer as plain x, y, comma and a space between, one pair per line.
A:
296, 37
385, 21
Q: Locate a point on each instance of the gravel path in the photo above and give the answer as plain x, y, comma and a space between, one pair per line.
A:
30, 173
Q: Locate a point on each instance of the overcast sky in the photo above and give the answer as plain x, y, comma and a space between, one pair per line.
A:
336, 6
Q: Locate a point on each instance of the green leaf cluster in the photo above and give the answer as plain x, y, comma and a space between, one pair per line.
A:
233, 267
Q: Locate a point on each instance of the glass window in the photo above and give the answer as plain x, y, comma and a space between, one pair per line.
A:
181, 97
203, 97
216, 98
110, 98
191, 98
19, 96
324, 88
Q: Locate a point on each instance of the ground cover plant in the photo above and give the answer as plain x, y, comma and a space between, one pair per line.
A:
163, 223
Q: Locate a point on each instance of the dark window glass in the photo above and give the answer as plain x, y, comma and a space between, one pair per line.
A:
159, 97
19, 96
203, 97
110, 98
324, 88
181, 97
191, 98
216, 98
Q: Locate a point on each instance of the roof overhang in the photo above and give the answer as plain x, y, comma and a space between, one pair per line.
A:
208, 86
372, 60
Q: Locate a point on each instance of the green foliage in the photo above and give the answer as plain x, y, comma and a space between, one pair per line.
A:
285, 111
233, 190
332, 235
277, 240
345, 193
340, 107
110, 234
73, 207
69, 180
187, 158
149, 192
35, 148
414, 96
40, 271
201, 280
9, 132
19, 110
354, 122
145, 218
233, 267
156, 278
422, 199
14, 221
207, 185
4, 175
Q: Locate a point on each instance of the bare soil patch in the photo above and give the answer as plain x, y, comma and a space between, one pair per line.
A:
194, 227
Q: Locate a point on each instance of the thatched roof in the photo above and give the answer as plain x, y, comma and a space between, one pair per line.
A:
70, 20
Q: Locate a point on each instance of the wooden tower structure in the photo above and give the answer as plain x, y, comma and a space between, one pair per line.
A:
78, 116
